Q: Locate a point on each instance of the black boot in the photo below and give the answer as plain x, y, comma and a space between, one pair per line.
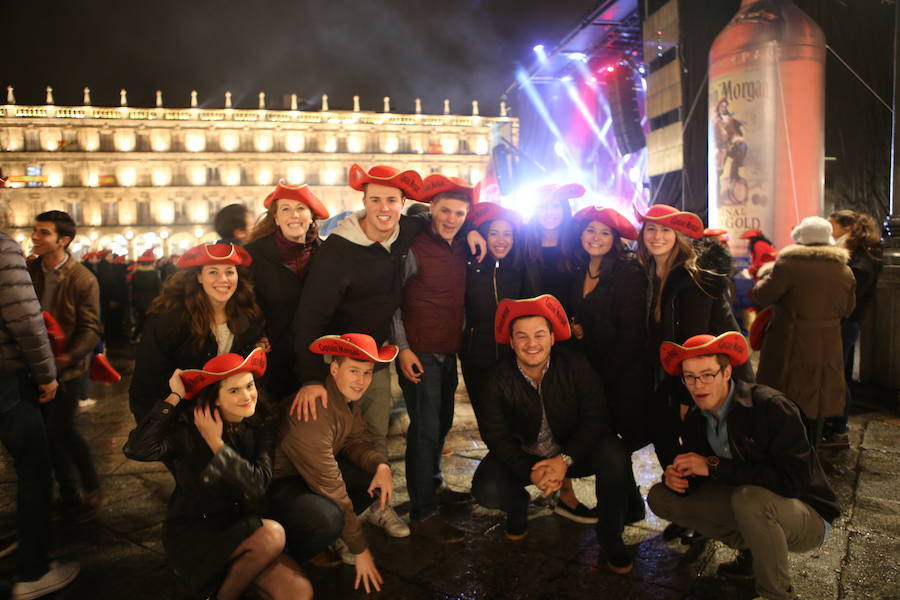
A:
739, 568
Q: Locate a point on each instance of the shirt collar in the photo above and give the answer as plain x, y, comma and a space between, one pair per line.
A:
726, 406
528, 378
57, 267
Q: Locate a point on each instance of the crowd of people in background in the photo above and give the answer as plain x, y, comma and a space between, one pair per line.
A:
262, 376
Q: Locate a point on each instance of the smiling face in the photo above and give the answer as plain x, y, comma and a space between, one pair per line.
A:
447, 216
531, 341
352, 377
383, 205
237, 397
219, 282
597, 239
659, 239
549, 214
707, 396
293, 218
500, 238
45, 239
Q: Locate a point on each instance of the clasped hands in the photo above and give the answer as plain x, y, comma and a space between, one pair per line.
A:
548, 474
684, 466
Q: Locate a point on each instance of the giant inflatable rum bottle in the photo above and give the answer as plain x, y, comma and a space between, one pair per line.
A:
766, 121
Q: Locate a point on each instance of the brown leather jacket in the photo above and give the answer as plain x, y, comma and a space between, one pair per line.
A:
76, 306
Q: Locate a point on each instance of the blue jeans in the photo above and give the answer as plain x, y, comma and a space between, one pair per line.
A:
430, 407
22, 432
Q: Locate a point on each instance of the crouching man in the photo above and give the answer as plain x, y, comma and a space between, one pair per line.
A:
327, 472
754, 481
544, 418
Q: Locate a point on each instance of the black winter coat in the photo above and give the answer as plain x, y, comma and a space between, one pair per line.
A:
487, 283
145, 286
277, 290
615, 337
769, 448
866, 271
231, 483
572, 397
350, 288
166, 345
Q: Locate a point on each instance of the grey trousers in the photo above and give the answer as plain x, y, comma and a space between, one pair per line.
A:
747, 516
375, 407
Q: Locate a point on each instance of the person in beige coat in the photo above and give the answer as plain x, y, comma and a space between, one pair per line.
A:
812, 289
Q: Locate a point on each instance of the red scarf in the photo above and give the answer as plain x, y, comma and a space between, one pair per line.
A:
295, 255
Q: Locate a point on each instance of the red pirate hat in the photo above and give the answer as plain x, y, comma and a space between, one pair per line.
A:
101, 370
223, 367
56, 334
609, 217
544, 305
357, 346
760, 326
436, 184
484, 212
731, 343
714, 232
214, 254
120, 260
104, 252
751, 233
408, 182
555, 191
147, 257
686, 222
300, 193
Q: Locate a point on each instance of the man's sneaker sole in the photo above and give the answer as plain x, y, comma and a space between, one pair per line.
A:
49, 587
573, 514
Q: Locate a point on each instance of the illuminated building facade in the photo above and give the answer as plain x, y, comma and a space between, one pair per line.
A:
138, 178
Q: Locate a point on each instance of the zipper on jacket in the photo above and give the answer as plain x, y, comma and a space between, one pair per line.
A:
496, 302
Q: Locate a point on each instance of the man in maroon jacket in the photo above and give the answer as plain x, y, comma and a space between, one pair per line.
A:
428, 329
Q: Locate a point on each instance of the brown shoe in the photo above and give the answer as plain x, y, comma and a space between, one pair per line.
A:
326, 559
446, 496
437, 529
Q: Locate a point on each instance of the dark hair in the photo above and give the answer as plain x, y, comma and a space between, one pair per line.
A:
863, 232
453, 196
532, 238
516, 256
65, 225
182, 290
577, 252
417, 208
267, 225
517, 319
230, 219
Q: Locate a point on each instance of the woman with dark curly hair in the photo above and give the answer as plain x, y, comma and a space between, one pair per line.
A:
220, 450
859, 234
282, 246
607, 301
206, 309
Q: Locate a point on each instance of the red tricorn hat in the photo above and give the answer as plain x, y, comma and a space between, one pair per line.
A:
609, 217
223, 367
731, 343
436, 184
760, 326
214, 254
751, 233
147, 257
120, 260
544, 305
104, 252
55, 333
300, 193
408, 182
101, 370
484, 212
555, 191
714, 232
357, 346
686, 222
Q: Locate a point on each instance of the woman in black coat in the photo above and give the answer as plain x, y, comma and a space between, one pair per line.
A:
221, 454
502, 274
608, 301
282, 246
206, 309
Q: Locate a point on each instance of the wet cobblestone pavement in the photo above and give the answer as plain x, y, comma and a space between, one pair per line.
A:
121, 553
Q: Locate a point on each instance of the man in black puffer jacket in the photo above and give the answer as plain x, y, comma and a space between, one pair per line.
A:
544, 418
754, 480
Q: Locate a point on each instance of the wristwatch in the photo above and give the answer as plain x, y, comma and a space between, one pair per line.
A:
567, 459
712, 463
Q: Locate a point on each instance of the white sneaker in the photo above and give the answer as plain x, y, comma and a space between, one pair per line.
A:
59, 576
387, 519
86, 403
347, 557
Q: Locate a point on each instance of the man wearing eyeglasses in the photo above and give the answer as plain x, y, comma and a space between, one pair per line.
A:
747, 474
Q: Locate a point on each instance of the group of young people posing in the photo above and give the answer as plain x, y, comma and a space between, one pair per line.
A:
575, 349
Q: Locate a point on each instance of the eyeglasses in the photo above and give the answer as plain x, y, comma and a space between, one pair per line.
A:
705, 378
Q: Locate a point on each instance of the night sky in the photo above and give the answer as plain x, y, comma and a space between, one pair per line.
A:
457, 49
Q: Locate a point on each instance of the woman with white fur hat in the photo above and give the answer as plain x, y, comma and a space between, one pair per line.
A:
812, 289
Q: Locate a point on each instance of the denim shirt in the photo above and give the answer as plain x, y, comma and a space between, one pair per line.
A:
717, 428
